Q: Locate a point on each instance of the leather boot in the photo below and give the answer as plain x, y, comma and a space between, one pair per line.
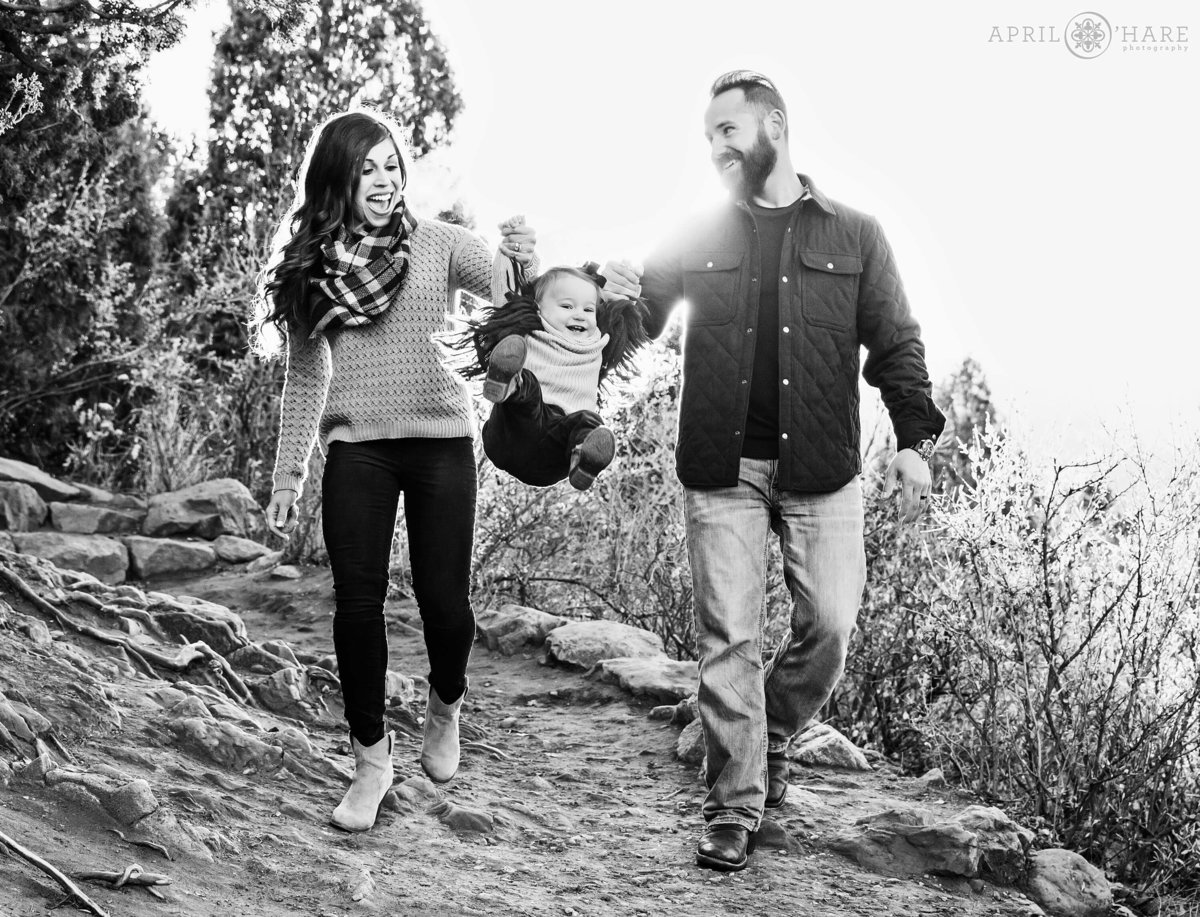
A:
725, 847
593, 454
506, 360
439, 748
778, 775
372, 780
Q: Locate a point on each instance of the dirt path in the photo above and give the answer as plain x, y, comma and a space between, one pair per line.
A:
591, 812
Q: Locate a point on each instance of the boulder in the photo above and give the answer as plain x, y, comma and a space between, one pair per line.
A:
513, 628
584, 643
655, 677
690, 746
235, 550
266, 562
91, 519
48, 488
1067, 885
979, 842
102, 557
209, 509
153, 556
21, 508
824, 746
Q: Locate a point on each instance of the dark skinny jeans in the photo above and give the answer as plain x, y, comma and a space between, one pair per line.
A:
360, 495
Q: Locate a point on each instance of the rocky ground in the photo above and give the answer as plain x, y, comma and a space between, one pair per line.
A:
226, 757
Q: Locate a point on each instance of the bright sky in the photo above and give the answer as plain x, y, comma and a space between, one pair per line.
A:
1043, 208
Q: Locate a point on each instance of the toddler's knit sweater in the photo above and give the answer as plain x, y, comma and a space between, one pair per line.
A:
385, 380
567, 370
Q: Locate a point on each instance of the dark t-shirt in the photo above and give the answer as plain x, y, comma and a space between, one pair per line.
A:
762, 419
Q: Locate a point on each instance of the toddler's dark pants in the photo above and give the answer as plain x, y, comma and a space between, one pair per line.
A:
532, 440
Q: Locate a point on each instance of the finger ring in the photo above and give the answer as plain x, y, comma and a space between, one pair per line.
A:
516, 246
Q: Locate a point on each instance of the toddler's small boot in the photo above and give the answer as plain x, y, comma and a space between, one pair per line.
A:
593, 454
439, 748
372, 780
506, 360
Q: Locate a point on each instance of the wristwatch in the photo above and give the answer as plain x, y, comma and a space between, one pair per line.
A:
924, 448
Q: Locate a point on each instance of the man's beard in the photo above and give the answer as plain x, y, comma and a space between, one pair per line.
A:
757, 164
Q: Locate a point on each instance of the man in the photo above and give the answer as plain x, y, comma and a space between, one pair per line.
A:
783, 287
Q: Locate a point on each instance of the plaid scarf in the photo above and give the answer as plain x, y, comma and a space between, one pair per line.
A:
361, 275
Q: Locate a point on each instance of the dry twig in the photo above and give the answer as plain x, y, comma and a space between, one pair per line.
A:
73, 891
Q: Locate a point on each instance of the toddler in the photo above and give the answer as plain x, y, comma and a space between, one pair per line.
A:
544, 353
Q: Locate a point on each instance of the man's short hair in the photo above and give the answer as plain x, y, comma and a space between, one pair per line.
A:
760, 91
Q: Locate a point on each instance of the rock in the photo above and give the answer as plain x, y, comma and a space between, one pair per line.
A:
226, 744
102, 557
35, 630
399, 689
209, 509
254, 657
130, 803
461, 819
21, 508
192, 707
154, 556
88, 519
287, 571
772, 836
584, 643
6, 774
214, 624
235, 550
363, 886
690, 746
1067, 885
933, 778
291, 692
266, 562
824, 746
515, 627
979, 842
282, 650
48, 488
655, 677
116, 501
6, 542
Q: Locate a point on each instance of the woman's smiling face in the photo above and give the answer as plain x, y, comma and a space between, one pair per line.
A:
379, 185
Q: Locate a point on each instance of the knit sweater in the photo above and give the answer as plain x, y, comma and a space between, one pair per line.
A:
567, 370
385, 380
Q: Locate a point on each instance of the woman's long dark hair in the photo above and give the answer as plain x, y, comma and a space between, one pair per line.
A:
324, 201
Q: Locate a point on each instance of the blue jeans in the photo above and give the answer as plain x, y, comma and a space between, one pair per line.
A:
747, 710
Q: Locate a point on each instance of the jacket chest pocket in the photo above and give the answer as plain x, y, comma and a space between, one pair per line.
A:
711, 283
829, 292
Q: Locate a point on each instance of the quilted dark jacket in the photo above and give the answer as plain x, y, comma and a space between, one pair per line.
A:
839, 289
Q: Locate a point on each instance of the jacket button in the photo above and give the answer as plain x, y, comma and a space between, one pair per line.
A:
785, 381
785, 436
744, 381
749, 330
737, 432
829, 265
710, 264
787, 330
785, 279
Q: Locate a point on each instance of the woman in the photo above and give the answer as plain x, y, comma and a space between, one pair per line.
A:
357, 286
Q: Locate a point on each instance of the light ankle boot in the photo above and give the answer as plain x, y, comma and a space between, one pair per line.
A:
372, 780
439, 749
